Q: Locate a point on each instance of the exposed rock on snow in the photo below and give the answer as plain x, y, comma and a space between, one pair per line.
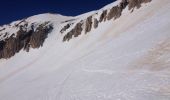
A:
136, 3
103, 16
74, 32
96, 23
123, 59
34, 38
88, 24
108, 14
26, 35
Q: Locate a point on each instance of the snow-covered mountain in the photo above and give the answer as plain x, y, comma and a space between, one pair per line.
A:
119, 52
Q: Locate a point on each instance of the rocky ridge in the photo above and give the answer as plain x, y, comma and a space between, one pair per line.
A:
32, 35
109, 14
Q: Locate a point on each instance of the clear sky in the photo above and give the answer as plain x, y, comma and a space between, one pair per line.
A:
11, 10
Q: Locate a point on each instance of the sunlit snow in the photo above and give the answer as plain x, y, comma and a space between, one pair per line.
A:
125, 59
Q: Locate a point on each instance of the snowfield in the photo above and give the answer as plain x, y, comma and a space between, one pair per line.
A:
125, 59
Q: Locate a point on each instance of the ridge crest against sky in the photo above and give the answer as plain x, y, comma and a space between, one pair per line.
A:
12, 10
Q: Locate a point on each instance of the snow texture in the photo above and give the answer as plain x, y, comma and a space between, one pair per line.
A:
124, 59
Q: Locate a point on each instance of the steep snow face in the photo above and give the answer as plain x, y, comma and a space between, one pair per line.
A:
123, 59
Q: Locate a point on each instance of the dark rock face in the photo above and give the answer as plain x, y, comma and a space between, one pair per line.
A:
96, 22
76, 31
123, 4
103, 16
24, 40
115, 13
88, 24
136, 3
38, 37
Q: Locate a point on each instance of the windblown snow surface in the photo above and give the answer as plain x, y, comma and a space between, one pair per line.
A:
125, 59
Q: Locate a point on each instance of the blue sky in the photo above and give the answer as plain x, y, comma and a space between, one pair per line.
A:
11, 10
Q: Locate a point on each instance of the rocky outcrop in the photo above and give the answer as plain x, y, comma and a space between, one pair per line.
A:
103, 16
96, 23
136, 3
88, 24
38, 37
24, 40
114, 13
34, 36
76, 31
123, 4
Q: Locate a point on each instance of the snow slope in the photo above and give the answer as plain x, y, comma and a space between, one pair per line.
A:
125, 59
